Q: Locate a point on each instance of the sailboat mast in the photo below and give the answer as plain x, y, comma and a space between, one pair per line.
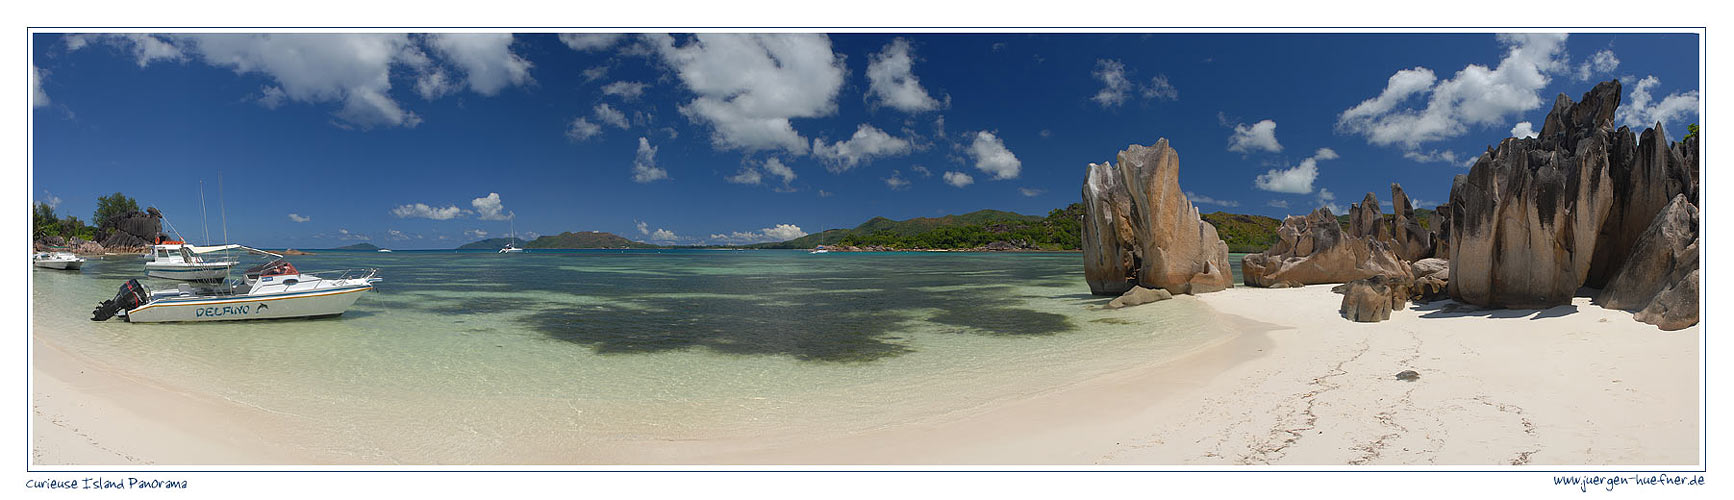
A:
204, 220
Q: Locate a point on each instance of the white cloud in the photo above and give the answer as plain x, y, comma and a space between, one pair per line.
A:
38, 98
1298, 180
1115, 86
1436, 156
774, 166
1523, 130
396, 235
1476, 95
991, 156
1259, 136
349, 68
925, 173
781, 232
630, 91
344, 234
1325, 199
489, 208
145, 48
52, 200
589, 41
747, 175
892, 81
607, 114
1159, 88
424, 211
1639, 112
1277, 203
750, 85
896, 181
1603, 62
476, 233
958, 179
581, 129
1031, 192
644, 167
1201, 199
298, 218
643, 227
486, 59
595, 73
663, 235
867, 143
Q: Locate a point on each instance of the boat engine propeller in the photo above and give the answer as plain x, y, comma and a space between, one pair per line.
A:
131, 295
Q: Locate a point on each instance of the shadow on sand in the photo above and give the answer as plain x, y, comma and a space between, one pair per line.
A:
1454, 309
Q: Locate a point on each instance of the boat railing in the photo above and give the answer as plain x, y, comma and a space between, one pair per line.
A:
368, 273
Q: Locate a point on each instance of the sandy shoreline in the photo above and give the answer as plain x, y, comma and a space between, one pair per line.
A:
1299, 385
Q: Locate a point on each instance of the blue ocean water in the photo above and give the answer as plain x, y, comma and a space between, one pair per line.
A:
584, 356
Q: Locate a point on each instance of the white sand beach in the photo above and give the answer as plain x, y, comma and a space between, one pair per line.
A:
1299, 385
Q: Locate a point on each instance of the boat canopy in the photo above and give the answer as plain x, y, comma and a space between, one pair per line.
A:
218, 248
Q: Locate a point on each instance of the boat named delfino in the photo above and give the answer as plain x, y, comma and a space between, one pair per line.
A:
273, 290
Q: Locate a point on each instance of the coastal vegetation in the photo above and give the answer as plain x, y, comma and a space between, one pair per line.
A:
1058, 231
358, 246
492, 244
584, 239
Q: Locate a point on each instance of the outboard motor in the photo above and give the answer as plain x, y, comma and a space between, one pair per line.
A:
131, 295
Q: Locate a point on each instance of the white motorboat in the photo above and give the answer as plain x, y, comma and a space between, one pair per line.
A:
57, 260
273, 290
385, 250
176, 260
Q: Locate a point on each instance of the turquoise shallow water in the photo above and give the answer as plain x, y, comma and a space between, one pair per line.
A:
575, 356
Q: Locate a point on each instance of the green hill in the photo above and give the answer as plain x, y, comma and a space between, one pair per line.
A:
1244, 233
492, 244
358, 246
1058, 231
586, 239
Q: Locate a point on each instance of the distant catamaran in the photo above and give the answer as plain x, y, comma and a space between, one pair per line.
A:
511, 243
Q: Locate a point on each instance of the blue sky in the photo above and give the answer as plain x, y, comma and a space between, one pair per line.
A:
431, 141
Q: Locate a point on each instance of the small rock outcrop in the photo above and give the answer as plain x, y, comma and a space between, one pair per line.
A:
1313, 249
133, 229
1139, 295
1660, 278
1366, 221
1140, 229
1366, 300
1411, 241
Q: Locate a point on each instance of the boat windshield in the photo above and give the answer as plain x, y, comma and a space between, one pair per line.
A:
273, 268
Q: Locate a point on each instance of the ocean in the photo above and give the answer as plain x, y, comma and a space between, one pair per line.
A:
600, 356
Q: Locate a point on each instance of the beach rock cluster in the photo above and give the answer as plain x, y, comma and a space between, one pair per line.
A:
133, 230
1411, 241
1314, 249
74, 245
1140, 229
1537, 218
1372, 299
1432, 275
1659, 279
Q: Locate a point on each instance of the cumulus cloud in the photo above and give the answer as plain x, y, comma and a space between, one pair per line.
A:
1117, 87
958, 179
1523, 130
925, 173
643, 227
774, 166
644, 167
49, 198
1603, 62
1638, 112
607, 114
892, 82
486, 59
590, 41
781, 232
1299, 179
1206, 200
38, 98
1259, 136
581, 129
1474, 96
422, 210
749, 86
1277, 203
144, 48
663, 235
991, 156
489, 208
630, 91
1325, 200
1031, 192
867, 143
896, 181
344, 234
298, 218
396, 235
771, 167
476, 233
1438, 155
747, 175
